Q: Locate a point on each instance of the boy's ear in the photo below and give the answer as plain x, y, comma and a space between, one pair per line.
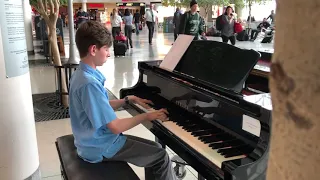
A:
92, 50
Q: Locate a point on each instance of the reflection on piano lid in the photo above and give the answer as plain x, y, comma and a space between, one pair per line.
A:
218, 63
263, 100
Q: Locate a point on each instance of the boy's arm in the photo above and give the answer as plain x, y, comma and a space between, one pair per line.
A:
100, 113
116, 104
118, 126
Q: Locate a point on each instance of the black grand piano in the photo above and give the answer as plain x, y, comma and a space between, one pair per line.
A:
221, 133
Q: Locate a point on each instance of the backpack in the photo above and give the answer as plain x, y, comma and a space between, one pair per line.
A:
242, 36
219, 23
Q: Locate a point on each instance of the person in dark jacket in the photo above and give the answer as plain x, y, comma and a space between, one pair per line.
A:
261, 27
272, 16
176, 22
191, 23
227, 32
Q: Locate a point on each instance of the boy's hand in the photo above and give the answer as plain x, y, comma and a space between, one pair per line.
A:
158, 114
142, 102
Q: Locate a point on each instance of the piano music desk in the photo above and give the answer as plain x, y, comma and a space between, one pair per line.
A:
259, 76
262, 68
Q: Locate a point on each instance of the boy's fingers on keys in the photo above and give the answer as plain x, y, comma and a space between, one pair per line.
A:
145, 106
149, 102
164, 110
163, 118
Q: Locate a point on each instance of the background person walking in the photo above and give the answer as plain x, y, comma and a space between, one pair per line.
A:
151, 17
127, 18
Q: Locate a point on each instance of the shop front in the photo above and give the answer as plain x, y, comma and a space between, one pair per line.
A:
132, 6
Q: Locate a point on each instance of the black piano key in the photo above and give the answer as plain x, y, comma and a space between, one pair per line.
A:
186, 127
218, 145
194, 127
209, 139
200, 128
236, 143
183, 124
225, 137
184, 121
202, 133
227, 151
237, 153
246, 149
189, 124
227, 144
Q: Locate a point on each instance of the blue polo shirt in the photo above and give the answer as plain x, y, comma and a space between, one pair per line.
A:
90, 112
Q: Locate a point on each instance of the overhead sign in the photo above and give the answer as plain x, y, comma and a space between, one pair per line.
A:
95, 5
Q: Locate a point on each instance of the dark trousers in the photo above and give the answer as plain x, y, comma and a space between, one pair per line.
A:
232, 39
128, 33
254, 34
147, 154
175, 33
151, 30
115, 31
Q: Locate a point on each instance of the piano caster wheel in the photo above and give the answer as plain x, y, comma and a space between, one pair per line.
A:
62, 173
179, 169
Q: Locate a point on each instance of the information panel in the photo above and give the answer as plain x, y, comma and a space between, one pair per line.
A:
13, 38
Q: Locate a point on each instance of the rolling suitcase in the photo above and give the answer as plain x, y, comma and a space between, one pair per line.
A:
119, 48
268, 37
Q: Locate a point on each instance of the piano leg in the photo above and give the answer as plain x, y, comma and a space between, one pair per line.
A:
160, 142
200, 177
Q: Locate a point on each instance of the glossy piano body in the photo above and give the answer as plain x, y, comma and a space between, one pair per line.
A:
209, 118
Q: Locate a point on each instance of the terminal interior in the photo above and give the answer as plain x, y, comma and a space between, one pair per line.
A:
48, 119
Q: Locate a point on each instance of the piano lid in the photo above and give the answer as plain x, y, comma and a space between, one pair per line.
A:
218, 63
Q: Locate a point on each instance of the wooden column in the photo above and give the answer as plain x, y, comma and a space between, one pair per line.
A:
295, 90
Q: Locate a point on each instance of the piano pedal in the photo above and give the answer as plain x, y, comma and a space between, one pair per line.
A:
179, 168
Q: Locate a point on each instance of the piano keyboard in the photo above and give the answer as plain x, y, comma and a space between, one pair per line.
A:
214, 144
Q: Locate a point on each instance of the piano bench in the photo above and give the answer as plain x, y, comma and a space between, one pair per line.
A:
74, 168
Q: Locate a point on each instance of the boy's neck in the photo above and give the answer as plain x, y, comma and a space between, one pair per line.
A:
89, 62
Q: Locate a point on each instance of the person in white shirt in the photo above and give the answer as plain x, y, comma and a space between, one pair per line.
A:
116, 21
103, 18
151, 16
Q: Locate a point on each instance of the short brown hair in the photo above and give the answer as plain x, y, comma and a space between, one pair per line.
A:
92, 33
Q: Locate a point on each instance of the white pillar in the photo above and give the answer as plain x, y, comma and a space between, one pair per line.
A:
84, 5
19, 157
28, 26
72, 47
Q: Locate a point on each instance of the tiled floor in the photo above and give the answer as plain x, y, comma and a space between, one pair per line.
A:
120, 72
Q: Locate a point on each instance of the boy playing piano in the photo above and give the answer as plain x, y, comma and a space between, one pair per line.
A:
97, 130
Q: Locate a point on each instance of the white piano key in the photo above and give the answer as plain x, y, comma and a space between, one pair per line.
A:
194, 142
